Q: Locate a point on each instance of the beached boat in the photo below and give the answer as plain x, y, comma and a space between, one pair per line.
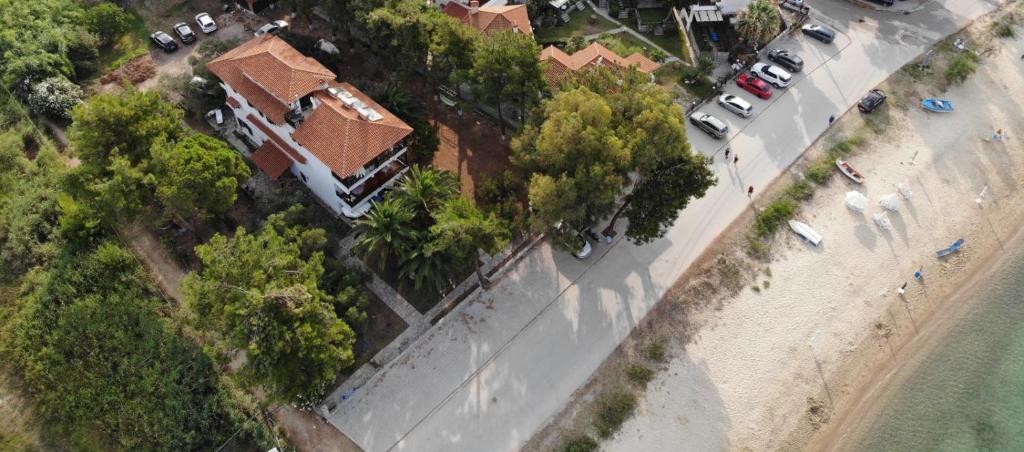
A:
849, 171
805, 231
937, 105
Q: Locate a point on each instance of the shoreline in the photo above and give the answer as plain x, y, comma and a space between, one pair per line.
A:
886, 377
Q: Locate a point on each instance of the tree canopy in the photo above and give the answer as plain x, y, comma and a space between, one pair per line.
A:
506, 67
261, 293
610, 142
198, 176
759, 22
126, 124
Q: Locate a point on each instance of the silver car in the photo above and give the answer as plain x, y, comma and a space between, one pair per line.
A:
736, 104
206, 23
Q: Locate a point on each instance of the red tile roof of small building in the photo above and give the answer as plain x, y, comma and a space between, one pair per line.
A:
271, 159
562, 65
295, 155
490, 19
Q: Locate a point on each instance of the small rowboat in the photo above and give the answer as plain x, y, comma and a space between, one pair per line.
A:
937, 105
849, 171
805, 232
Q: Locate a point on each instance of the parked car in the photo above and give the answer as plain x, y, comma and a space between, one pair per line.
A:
823, 34
164, 41
871, 101
772, 74
582, 249
709, 124
736, 105
206, 23
883, 2
184, 32
754, 85
786, 59
271, 27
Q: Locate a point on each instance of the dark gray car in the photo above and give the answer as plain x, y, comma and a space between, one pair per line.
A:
786, 59
819, 32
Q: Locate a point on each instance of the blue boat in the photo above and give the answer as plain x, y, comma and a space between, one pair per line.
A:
937, 105
952, 249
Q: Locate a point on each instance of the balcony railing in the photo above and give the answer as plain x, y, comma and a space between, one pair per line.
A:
368, 187
371, 167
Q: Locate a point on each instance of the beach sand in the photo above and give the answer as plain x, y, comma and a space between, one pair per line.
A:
792, 365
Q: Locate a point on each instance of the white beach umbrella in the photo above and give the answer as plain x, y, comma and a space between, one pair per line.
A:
856, 200
890, 202
904, 189
882, 221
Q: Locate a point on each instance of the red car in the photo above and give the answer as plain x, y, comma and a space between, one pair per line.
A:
755, 85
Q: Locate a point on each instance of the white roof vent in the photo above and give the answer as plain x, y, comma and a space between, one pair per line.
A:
369, 114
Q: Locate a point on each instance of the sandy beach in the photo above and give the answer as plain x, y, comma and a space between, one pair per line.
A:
795, 363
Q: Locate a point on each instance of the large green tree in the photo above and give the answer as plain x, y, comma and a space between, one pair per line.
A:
426, 190
124, 123
29, 211
506, 68
198, 176
579, 163
261, 293
759, 22
400, 31
452, 47
106, 20
463, 229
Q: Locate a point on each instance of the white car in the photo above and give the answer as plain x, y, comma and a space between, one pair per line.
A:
772, 74
271, 27
736, 104
206, 23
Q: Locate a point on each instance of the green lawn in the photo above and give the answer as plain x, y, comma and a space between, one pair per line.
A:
672, 43
579, 23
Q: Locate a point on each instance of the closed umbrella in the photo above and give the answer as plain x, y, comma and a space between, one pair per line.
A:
856, 200
890, 202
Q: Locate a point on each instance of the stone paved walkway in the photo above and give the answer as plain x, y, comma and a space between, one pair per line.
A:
381, 289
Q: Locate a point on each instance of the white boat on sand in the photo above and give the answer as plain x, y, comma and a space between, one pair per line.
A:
848, 170
805, 231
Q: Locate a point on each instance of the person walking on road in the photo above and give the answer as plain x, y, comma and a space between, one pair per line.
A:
736, 161
831, 119
750, 191
727, 154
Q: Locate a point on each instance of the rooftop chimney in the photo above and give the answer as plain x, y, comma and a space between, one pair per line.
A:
474, 6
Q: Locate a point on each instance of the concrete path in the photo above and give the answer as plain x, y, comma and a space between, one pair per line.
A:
624, 28
499, 366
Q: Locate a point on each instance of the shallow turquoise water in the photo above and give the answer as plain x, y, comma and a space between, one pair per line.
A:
968, 395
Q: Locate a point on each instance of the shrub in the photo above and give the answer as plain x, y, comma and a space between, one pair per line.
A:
820, 172
961, 67
758, 249
106, 20
800, 191
612, 410
579, 443
1004, 29
54, 97
656, 352
779, 211
639, 374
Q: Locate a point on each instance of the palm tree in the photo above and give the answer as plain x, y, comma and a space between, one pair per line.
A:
462, 229
428, 268
426, 189
386, 232
759, 22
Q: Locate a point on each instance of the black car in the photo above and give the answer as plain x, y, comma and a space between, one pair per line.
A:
184, 32
786, 59
164, 41
883, 2
823, 34
874, 99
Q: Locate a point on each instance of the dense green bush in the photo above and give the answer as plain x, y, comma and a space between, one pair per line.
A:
106, 20
29, 211
107, 369
54, 97
639, 375
771, 218
961, 67
612, 410
820, 172
579, 443
800, 191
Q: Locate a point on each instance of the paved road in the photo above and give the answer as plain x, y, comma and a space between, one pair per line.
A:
500, 366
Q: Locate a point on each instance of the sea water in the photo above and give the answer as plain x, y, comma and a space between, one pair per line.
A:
968, 392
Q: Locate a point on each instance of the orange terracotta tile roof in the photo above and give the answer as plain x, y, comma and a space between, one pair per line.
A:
271, 159
561, 65
270, 74
490, 19
295, 155
341, 139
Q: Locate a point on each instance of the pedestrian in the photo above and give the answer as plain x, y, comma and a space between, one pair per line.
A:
736, 160
831, 119
727, 153
919, 274
750, 191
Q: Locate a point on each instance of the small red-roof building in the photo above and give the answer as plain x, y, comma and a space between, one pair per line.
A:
344, 146
561, 65
490, 19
